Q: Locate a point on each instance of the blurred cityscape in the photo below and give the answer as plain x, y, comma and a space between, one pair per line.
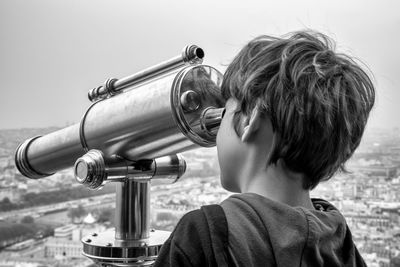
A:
42, 221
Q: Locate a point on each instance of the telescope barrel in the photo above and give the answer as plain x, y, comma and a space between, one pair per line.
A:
191, 55
156, 119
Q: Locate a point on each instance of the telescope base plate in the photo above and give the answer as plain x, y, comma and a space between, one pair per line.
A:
106, 251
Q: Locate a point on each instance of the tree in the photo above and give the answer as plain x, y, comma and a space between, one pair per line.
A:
166, 216
27, 219
78, 212
11, 231
106, 215
6, 200
395, 262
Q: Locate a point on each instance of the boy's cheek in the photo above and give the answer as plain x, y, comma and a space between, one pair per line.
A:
230, 162
230, 154
226, 175
229, 183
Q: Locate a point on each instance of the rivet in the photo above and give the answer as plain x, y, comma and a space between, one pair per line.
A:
94, 234
88, 240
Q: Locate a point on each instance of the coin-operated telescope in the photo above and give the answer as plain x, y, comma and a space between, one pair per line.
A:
130, 135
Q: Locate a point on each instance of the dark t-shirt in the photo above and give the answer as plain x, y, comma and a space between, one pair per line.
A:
262, 232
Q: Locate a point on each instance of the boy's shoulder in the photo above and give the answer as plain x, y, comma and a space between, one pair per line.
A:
286, 235
250, 228
250, 208
198, 221
276, 220
199, 239
248, 202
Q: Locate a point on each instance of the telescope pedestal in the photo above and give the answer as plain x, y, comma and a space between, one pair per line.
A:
131, 243
105, 250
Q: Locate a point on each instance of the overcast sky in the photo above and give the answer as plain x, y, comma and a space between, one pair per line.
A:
52, 52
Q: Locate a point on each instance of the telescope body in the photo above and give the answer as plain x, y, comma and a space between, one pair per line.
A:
130, 136
167, 114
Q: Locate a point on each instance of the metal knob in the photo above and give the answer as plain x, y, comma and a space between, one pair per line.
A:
190, 101
169, 168
90, 169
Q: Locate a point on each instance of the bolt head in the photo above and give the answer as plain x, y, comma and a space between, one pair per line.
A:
190, 101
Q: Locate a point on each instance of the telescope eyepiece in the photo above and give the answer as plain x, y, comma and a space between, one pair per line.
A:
211, 120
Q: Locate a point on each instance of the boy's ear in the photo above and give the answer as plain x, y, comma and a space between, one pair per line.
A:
252, 124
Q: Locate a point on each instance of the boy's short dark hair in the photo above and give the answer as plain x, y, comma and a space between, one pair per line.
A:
318, 100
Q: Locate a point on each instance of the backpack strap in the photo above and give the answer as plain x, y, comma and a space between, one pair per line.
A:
218, 228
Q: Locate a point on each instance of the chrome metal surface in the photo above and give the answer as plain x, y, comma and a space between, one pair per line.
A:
132, 217
207, 86
90, 169
22, 163
93, 170
169, 168
105, 250
210, 120
148, 122
191, 55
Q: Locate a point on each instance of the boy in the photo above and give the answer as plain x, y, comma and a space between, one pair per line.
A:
295, 113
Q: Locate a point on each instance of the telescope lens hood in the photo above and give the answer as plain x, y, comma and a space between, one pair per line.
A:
22, 162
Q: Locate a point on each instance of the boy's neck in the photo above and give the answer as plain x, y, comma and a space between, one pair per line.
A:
278, 184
